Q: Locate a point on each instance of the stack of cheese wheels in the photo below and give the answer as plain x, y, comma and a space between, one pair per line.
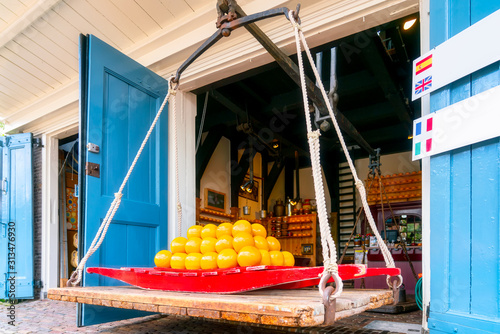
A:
224, 246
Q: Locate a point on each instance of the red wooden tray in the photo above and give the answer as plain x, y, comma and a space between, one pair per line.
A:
233, 280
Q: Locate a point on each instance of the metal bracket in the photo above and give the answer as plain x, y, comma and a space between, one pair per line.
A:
93, 148
375, 164
330, 306
226, 29
395, 291
37, 142
93, 169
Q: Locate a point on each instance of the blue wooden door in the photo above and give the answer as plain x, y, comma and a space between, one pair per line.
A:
120, 101
16, 225
465, 198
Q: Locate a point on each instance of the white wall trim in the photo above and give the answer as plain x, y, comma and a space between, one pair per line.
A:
186, 116
426, 177
50, 214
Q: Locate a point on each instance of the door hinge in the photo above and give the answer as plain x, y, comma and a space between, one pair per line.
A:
93, 148
37, 142
93, 169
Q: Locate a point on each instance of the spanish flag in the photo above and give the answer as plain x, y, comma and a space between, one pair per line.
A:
423, 64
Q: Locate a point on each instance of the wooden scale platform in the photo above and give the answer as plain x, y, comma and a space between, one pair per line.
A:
266, 295
291, 308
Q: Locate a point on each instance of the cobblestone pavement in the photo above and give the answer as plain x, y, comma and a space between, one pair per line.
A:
47, 316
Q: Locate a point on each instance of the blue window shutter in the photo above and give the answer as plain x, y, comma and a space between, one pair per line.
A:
120, 99
16, 228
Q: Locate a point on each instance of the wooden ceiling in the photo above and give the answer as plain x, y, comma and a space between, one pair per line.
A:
374, 88
39, 39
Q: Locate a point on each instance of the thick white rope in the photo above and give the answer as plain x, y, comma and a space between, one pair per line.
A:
327, 243
101, 233
389, 261
176, 153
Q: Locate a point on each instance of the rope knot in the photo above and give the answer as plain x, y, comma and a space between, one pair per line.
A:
313, 134
359, 184
172, 92
291, 17
331, 267
179, 207
118, 195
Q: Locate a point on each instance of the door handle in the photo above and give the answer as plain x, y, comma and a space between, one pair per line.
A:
5, 185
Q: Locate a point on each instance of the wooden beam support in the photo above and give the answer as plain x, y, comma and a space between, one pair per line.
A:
257, 124
374, 61
238, 171
289, 180
205, 152
293, 72
270, 180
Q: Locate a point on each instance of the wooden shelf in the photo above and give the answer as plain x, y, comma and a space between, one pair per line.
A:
293, 236
213, 220
216, 213
293, 244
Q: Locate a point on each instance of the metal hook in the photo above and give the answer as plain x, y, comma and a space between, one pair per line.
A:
326, 292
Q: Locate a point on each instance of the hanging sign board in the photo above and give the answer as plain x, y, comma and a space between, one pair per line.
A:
464, 123
463, 54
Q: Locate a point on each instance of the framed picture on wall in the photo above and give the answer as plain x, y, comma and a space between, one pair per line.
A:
215, 200
307, 249
254, 195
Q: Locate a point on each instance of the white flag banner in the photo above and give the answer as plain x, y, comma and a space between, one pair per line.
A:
464, 123
465, 53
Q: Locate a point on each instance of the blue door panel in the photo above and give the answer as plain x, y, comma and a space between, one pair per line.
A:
465, 198
460, 19
440, 211
123, 99
481, 8
123, 255
460, 207
447, 323
16, 232
485, 78
485, 257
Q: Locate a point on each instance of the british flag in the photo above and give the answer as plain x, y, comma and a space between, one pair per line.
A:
423, 85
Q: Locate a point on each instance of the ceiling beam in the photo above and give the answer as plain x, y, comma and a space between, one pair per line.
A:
271, 129
293, 71
373, 59
271, 179
35, 12
239, 170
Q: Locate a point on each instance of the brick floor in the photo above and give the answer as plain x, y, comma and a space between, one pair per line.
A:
47, 316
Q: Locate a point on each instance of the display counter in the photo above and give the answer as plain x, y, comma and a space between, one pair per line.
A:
375, 259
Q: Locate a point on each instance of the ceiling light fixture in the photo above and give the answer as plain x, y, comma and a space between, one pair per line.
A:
408, 24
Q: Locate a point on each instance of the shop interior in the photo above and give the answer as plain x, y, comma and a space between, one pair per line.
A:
252, 155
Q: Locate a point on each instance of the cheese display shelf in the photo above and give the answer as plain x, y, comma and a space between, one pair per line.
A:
297, 234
